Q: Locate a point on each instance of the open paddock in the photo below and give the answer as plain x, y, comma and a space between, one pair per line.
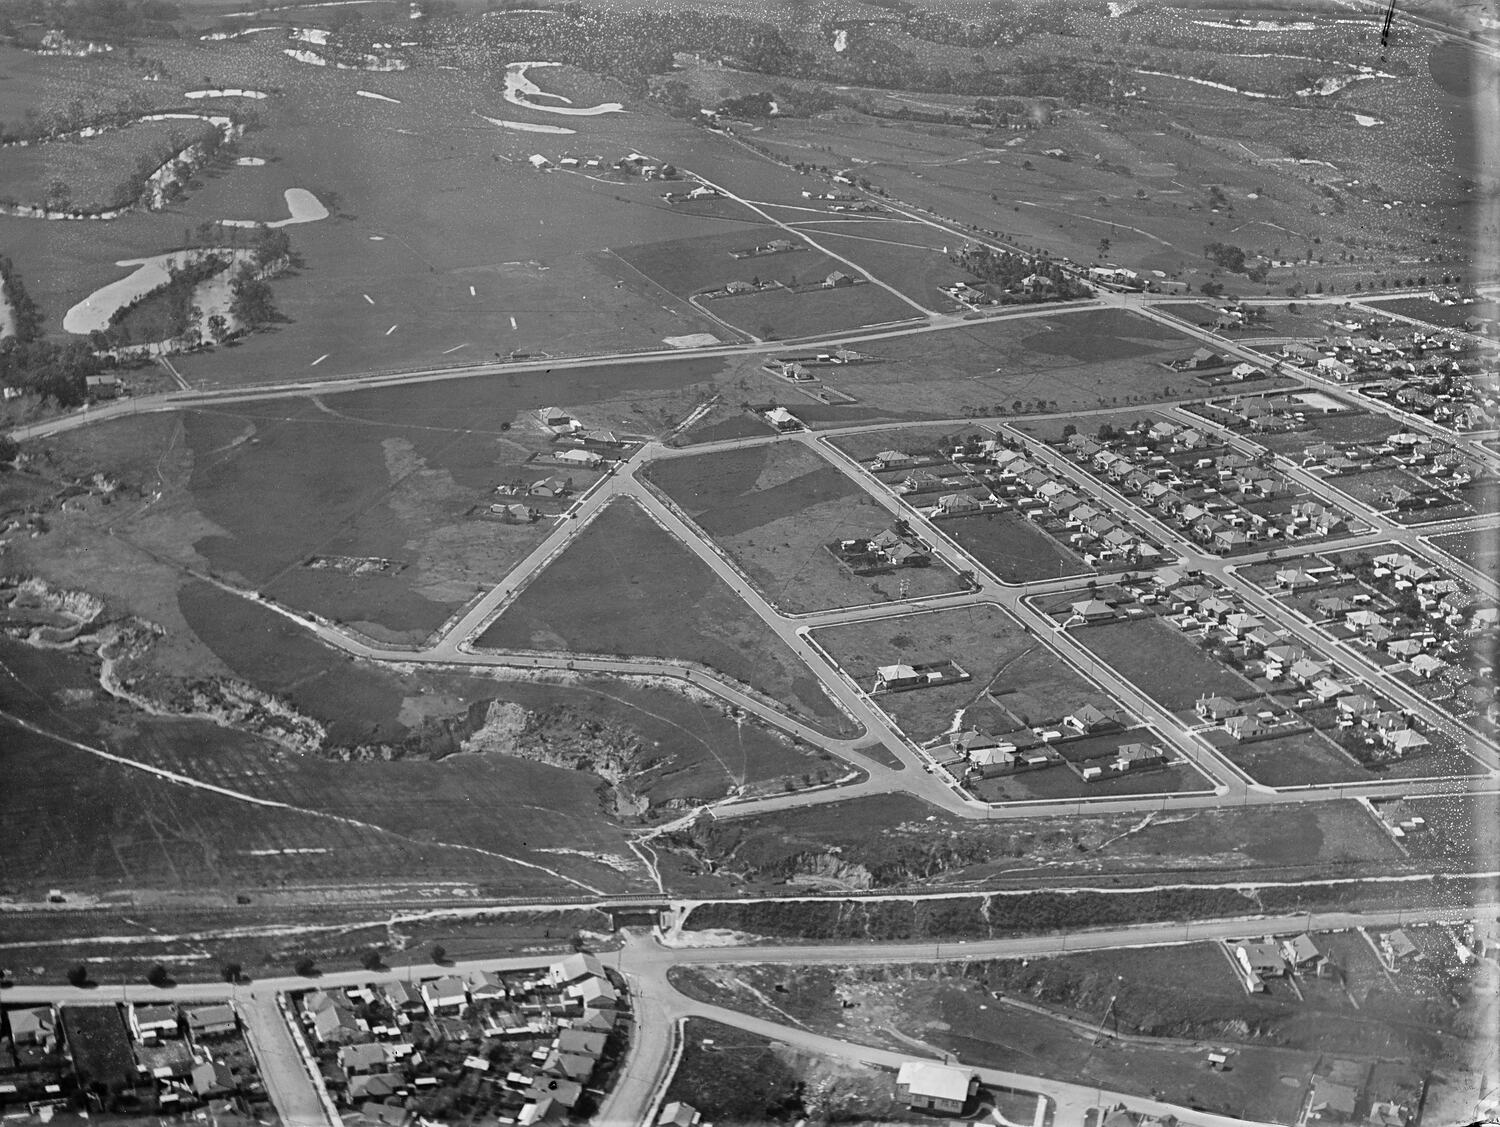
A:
1461, 829
626, 586
1362, 427
1301, 759
1039, 360
1159, 661
784, 314
774, 509
1014, 548
1434, 312
1480, 550
984, 640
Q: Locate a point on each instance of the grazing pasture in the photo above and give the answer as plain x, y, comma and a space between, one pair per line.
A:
627, 586
775, 509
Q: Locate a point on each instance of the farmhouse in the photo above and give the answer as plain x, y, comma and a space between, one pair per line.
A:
928, 1086
837, 280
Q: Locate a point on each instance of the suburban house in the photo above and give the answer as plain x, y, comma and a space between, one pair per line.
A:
1093, 610
35, 1026
782, 419
1302, 953
1089, 719
448, 993
585, 459
150, 1022
929, 1086
678, 1114
575, 968
837, 280
1259, 961
1216, 708
206, 1022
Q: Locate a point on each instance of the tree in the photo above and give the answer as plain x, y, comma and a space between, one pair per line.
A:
305, 967
439, 953
232, 972
1069, 430
78, 975
370, 960
10, 450
158, 977
218, 328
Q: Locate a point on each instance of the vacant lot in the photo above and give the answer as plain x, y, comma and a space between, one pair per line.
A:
1461, 829
775, 509
1366, 427
1480, 550
1435, 312
888, 841
984, 640
1013, 548
740, 1079
626, 586
1288, 761
785, 314
964, 1011
1064, 361
1159, 661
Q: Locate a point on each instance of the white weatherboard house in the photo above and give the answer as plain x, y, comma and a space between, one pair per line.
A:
928, 1086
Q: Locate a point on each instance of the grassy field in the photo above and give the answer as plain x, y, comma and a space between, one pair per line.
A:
964, 1011
1290, 761
1434, 312
739, 1078
1066, 361
985, 641
348, 823
628, 587
1461, 829
891, 841
774, 509
1159, 661
788, 315
1363, 427
254, 493
92, 170
1014, 548
901, 253
1479, 550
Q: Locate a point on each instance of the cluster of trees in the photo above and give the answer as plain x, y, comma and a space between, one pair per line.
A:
1229, 257
53, 371
171, 309
26, 317
94, 19
1007, 269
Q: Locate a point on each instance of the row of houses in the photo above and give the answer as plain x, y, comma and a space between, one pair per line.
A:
1215, 497
998, 475
523, 1045
169, 1058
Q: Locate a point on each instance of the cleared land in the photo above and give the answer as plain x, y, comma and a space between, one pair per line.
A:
775, 509
1160, 662
1480, 550
891, 841
740, 1079
626, 586
985, 641
1014, 548
399, 476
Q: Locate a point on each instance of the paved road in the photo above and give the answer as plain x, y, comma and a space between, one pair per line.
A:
659, 1006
